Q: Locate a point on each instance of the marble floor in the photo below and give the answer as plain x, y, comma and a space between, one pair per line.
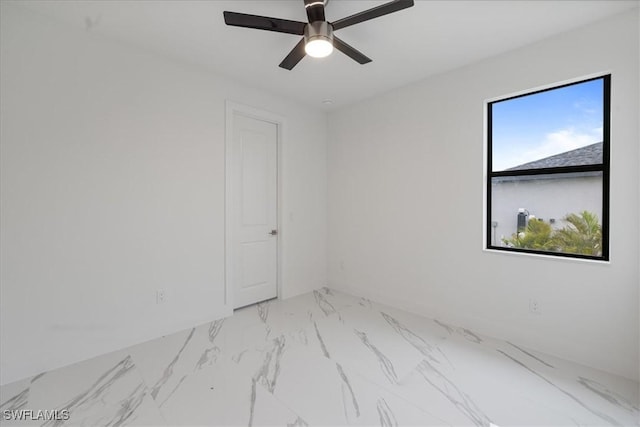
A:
326, 359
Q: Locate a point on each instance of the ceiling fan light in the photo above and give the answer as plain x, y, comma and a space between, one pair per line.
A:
318, 39
318, 47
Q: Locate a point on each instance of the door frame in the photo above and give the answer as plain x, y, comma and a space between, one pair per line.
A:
232, 108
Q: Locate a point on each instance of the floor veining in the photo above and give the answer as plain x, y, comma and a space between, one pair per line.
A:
323, 359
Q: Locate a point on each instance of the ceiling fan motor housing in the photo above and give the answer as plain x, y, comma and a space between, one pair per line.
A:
318, 30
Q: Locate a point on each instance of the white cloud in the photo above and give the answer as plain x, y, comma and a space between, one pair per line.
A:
585, 106
554, 143
561, 141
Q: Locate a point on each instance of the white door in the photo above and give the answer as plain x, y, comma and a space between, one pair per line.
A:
254, 248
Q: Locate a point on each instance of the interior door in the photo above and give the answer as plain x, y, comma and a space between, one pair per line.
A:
254, 220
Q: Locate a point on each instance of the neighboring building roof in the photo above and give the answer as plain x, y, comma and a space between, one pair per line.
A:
589, 155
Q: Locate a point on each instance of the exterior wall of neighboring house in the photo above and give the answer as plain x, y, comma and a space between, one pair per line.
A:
547, 198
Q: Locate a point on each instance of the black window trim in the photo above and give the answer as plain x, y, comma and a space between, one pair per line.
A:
604, 168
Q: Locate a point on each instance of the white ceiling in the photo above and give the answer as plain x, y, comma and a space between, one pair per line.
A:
407, 46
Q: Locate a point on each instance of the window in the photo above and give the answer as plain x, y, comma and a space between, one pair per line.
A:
548, 171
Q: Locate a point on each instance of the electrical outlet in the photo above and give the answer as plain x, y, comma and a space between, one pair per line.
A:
160, 296
534, 306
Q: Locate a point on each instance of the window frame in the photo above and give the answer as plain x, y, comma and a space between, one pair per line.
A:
604, 168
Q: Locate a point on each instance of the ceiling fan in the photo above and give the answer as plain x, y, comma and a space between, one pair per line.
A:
318, 40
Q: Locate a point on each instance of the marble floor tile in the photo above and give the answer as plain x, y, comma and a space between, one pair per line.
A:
231, 391
324, 392
106, 390
326, 359
368, 344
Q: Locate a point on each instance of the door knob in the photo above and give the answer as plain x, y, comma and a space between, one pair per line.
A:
274, 232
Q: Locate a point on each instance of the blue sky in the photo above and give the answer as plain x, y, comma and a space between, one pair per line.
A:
537, 126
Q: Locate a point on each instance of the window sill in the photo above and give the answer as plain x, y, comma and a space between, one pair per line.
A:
552, 257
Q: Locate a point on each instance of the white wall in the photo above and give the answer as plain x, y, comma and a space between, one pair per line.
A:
406, 205
112, 168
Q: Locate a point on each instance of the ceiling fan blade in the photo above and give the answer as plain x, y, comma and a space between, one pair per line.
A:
352, 53
315, 10
264, 23
295, 56
376, 12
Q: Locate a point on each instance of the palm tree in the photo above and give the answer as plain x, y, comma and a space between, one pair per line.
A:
582, 235
537, 235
